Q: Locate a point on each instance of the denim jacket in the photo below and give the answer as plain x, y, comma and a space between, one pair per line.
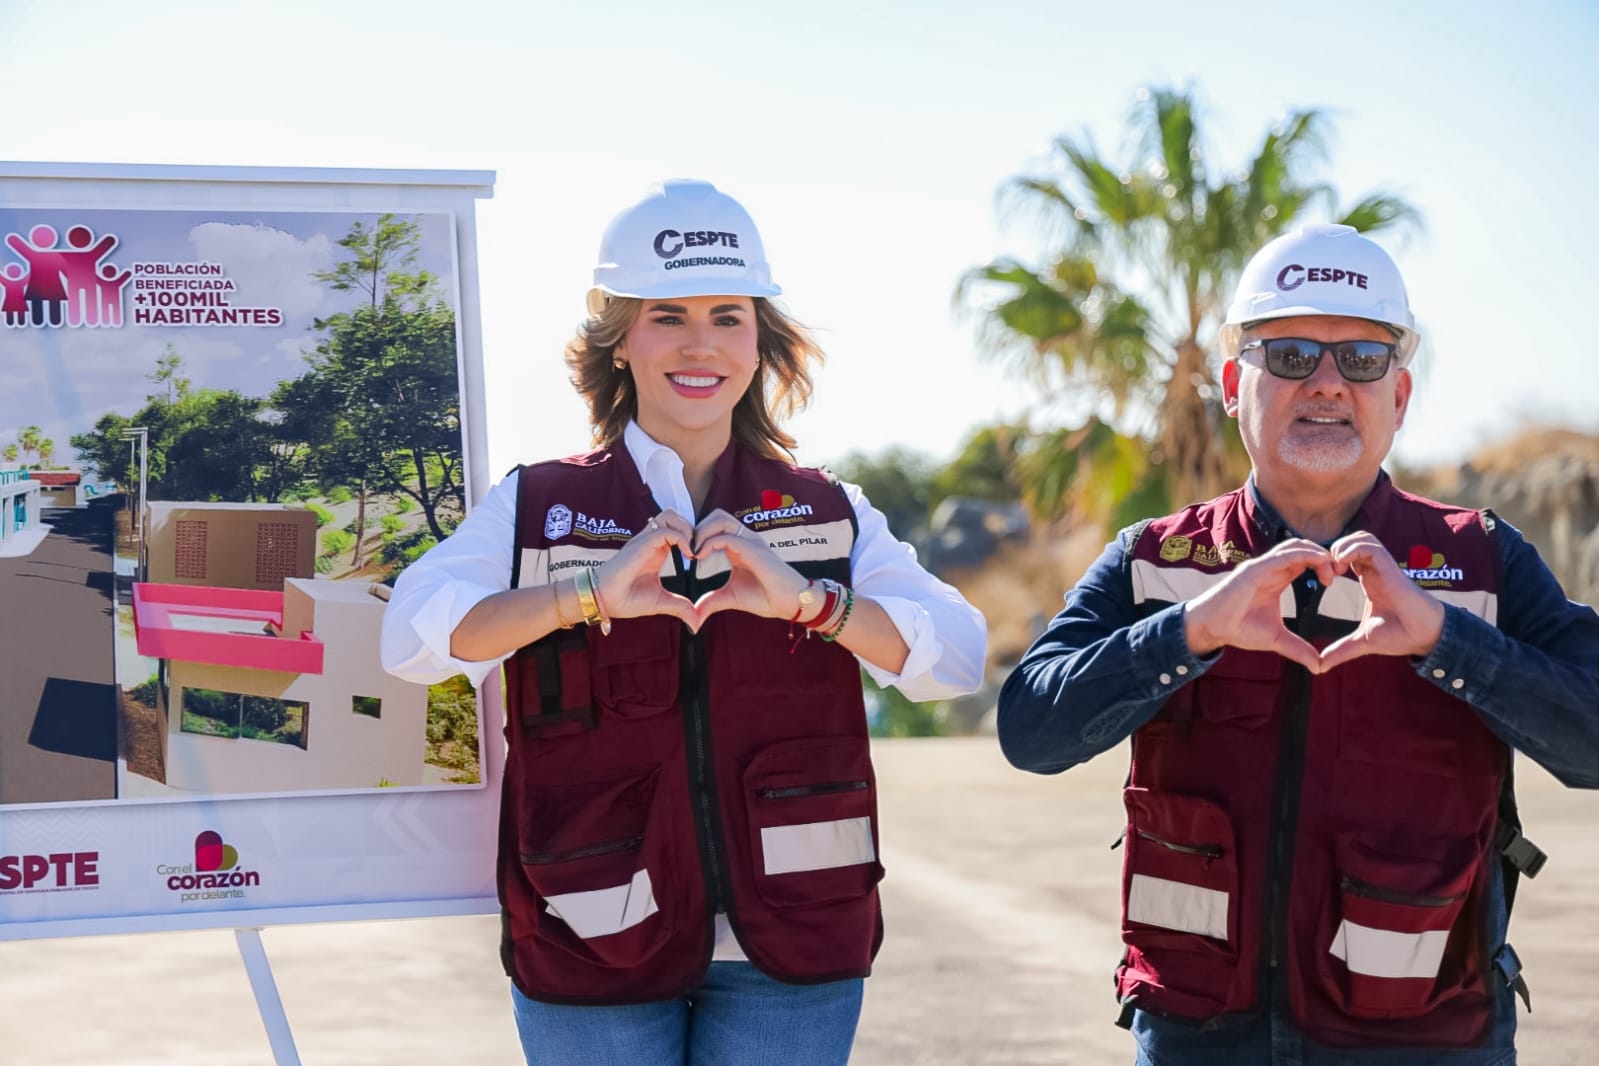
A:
1100, 671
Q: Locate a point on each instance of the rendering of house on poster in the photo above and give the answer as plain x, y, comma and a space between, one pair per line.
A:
229, 427
278, 691
235, 404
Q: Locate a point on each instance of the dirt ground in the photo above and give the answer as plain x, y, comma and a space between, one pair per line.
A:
1001, 934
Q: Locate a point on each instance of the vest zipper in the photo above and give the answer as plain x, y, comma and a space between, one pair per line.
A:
541, 858
700, 758
1290, 781
1208, 851
823, 789
1388, 895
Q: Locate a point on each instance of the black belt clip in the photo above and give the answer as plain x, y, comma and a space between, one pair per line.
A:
1508, 963
1520, 852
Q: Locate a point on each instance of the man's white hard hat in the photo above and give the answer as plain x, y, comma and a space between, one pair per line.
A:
683, 239
1321, 270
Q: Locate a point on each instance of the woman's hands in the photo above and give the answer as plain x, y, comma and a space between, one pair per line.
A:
760, 582
629, 583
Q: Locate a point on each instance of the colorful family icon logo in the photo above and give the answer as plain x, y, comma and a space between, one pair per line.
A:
61, 285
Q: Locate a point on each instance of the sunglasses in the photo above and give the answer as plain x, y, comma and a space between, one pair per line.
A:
1296, 358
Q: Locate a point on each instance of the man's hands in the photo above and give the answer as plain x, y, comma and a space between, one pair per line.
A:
1398, 618
1243, 610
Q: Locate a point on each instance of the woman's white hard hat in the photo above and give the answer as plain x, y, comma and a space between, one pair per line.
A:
1321, 270
683, 239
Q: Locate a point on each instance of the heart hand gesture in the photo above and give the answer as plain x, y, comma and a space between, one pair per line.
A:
1244, 609
629, 583
761, 583
1399, 618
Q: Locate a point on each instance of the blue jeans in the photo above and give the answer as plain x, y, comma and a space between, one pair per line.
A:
737, 1016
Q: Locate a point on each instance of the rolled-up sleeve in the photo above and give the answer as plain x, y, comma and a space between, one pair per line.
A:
441, 588
947, 637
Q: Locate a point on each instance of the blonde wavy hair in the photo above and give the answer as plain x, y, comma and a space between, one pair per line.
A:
780, 389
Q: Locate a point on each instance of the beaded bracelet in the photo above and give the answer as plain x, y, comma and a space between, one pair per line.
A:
849, 605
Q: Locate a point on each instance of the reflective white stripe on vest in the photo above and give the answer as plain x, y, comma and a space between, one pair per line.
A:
788, 849
793, 544
541, 566
1484, 605
605, 910
1346, 600
1385, 953
1179, 584
1177, 905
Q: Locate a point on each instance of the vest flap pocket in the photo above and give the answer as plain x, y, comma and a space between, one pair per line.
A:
786, 675
812, 808
1392, 946
1241, 689
636, 667
1181, 872
586, 848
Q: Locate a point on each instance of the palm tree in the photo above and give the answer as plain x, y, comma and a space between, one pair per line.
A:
11, 453
28, 439
1128, 303
47, 450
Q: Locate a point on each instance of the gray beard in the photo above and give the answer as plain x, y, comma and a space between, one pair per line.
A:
1320, 457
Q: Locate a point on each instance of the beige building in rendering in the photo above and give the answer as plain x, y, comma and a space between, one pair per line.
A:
232, 659
228, 545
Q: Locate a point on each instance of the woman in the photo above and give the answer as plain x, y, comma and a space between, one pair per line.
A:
688, 840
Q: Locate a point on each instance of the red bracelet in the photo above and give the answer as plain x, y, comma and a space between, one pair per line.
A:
829, 603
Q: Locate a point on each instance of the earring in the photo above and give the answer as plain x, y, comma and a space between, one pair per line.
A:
619, 363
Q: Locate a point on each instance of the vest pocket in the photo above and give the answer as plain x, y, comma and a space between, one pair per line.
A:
636, 667
1179, 901
1390, 946
588, 850
812, 808
1242, 689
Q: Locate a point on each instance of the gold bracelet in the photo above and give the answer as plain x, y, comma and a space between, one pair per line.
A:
588, 599
555, 591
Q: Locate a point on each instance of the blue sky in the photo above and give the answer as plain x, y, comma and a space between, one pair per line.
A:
869, 142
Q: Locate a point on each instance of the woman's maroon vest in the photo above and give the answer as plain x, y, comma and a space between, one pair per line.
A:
655, 777
1331, 833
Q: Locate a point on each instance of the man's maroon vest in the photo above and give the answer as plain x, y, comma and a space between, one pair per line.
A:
655, 777
1331, 833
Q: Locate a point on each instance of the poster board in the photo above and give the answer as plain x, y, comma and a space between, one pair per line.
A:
234, 404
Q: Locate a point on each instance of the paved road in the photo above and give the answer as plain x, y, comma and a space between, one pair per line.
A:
1001, 935
58, 722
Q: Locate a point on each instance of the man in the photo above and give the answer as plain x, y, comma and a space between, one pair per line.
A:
1323, 678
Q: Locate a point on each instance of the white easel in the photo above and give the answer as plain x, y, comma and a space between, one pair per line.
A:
267, 1000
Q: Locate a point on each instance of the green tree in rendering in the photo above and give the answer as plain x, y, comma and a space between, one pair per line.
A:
28, 440
379, 406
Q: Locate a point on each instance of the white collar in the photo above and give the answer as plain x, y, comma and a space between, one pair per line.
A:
660, 468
